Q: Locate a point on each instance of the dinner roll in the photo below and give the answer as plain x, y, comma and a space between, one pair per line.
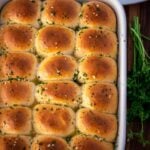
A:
16, 93
95, 68
53, 120
14, 65
96, 42
16, 120
61, 12
100, 96
93, 123
57, 67
45, 142
55, 39
24, 12
14, 142
98, 14
59, 92
17, 37
81, 142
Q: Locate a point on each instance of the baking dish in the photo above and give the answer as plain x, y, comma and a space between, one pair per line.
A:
122, 69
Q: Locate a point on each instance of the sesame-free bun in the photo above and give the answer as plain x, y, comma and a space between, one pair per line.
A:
98, 14
81, 142
14, 142
17, 37
91, 122
59, 92
53, 120
57, 67
61, 12
24, 12
16, 120
100, 96
46, 142
95, 68
96, 42
14, 65
16, 93
55, 39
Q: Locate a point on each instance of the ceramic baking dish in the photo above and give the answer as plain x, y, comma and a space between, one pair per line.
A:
122, 69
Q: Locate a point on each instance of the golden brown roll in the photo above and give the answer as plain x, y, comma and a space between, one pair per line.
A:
16, 93
96, 42
61, 12
53, 120
45, 142
17, 37
98, 14
102, 97
59, 92
96, 68
12, 142
57, 67
81, 142
16, 120
24, 12
14, 65
55, 39
93, 123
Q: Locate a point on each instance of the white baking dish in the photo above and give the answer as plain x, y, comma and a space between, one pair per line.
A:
122, 69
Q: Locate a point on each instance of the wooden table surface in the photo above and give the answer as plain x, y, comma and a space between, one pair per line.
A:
143, 11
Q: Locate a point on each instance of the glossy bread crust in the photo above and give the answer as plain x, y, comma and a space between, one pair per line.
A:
16, 120
53, 120
102, 97
59, 67
91, 122
60, 12
24, 12
13, 142
17, 38
55, 39
82, 142
59, 92
45, 142
18, 65
96, 42
99, 15
16, 93
97, 68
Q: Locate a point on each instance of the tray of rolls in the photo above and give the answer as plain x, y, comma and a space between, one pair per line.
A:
62, 75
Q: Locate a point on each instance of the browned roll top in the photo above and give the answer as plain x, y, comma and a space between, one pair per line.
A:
49, 119
15, 90
62, 64
21, 11
98, 14
13, 143
16, 118
96, 41
17, 37
55, 37
81, 142
61, 9
61, 90
45, 142
17, 63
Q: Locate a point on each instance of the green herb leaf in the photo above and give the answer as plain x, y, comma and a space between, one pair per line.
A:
139, 84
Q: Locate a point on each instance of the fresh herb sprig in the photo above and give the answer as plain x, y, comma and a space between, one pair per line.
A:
139, 84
